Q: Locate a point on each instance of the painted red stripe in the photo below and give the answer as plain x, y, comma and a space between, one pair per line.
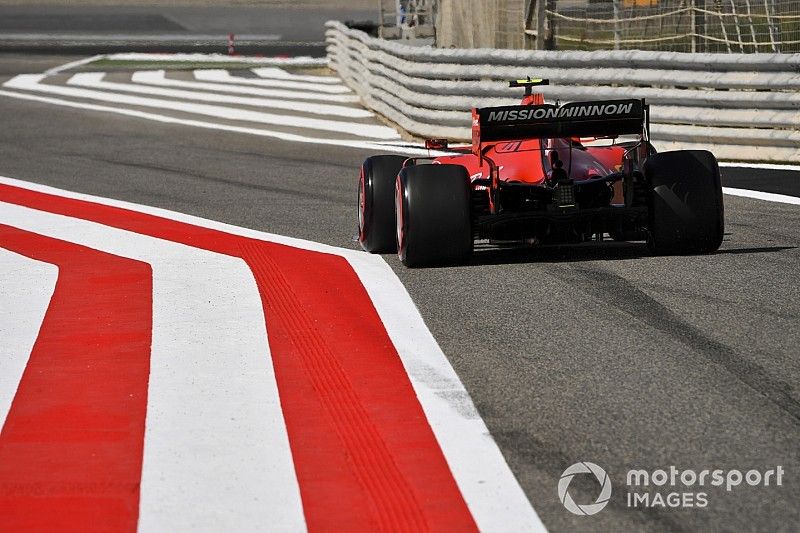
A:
71, 447
365, 455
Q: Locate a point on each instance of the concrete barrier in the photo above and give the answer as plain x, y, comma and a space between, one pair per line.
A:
743, 107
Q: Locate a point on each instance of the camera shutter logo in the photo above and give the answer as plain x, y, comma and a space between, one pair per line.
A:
590, 508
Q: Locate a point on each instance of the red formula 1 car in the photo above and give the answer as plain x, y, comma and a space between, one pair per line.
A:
535, 174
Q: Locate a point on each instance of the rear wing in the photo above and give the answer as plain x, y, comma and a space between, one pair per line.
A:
576, 119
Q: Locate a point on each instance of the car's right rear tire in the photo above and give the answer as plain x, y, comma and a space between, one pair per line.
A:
434, 224
686, 209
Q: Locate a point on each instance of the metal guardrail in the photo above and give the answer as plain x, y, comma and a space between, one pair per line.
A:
743, 107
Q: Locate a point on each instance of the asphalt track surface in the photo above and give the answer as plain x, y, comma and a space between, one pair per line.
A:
598, 352
290, 28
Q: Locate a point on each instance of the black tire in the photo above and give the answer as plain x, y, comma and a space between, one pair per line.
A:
434, 225
376, 224
686, 209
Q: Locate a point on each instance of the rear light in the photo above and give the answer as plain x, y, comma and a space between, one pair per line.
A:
436, 144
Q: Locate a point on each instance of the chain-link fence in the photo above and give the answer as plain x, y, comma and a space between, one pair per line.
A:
510, 24
480, 23
405, 19
732, 26
728, 26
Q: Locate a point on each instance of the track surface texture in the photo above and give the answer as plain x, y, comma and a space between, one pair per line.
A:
269, 28
598, 352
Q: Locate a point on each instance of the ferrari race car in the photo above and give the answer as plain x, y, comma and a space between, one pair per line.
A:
540, 174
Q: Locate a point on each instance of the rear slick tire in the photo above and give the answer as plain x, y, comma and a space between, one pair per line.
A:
686, 208
376, 224
434, 224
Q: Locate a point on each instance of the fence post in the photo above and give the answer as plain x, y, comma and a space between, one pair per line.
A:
773, 28
541, 9
550, 24
698, 25
380, 19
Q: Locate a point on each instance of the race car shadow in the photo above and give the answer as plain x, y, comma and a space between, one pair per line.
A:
759, 250
594, 251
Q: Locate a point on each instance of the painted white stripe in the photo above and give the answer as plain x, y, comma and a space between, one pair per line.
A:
367, 145
489, 488
492, 493
158, 77
31, 82
189, 219
216, 451
26, 287
73, 64
758, 195
94, 80
298, 61
223, 76
770, 166
281, 74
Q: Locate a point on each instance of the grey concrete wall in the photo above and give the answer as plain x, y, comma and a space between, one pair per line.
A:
480, 23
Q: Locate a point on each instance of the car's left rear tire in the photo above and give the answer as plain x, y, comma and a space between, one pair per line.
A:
434, 224
376, 227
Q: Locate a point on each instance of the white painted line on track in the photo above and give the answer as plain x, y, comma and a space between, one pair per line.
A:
94, 80
186, 219
26, 287
158, 77
490, 489
770, 166
223, 76
31, 82
284, 136
492, 493
73, 64
281, 74
379, 146
758, 195
298, 61
212, 393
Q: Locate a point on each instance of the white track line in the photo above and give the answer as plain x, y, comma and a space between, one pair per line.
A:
281, 74
31, 82
758, 195
491, 491
94, 80
165, 119
770, 166
216, 451
26, 287
190, 219
158, 77
379, 147
299, 61
223, 76
73, 64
